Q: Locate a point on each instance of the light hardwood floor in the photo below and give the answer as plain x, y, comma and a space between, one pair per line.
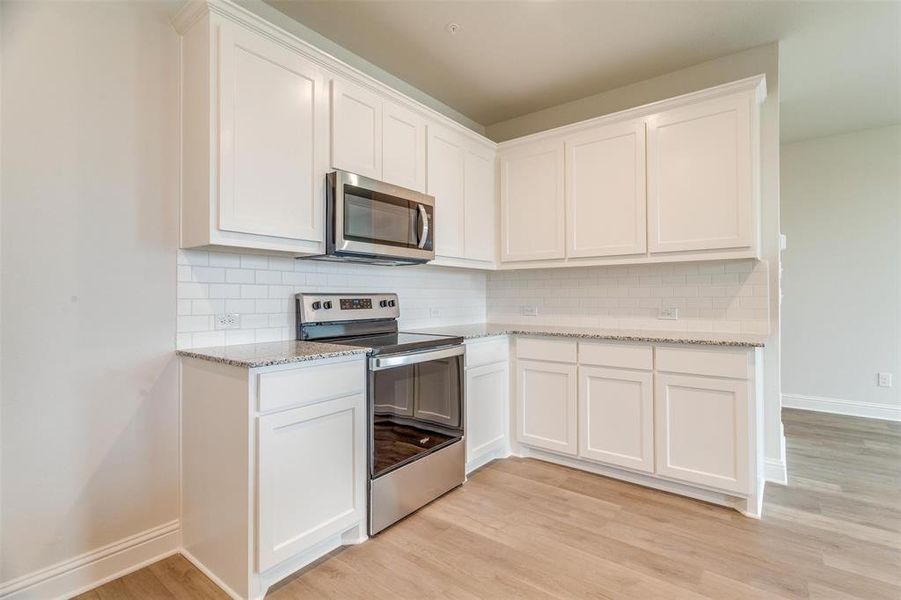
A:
526, 529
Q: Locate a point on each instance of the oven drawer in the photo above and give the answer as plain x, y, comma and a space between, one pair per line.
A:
309, 384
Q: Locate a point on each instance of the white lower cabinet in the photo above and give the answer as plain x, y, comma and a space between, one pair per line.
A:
678, 417
487, 410
273, 467
616, 417
702, 431
546, 405
318, 444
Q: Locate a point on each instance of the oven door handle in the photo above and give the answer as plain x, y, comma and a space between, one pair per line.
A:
380, 363
424, 230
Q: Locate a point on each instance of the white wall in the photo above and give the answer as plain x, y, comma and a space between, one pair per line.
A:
722, 296
260, 289
841, 213
90, 173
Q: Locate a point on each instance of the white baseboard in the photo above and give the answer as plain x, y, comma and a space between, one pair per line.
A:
76, 575
775, 471
838, 406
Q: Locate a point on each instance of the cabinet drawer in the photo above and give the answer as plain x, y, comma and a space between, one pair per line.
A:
309, 384
718, 362
546, 349
625, 356
487, 351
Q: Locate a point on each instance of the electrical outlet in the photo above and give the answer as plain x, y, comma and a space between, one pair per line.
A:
884, 379
670, 313
529, 310
434, 312
228, 321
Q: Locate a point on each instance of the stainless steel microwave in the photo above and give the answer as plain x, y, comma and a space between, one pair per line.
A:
375, 222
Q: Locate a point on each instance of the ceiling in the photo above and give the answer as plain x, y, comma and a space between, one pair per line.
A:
840, 62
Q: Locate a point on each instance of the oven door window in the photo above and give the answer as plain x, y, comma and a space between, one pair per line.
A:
416, 409
378, 218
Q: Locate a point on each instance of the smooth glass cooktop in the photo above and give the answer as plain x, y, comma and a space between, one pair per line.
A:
398, 342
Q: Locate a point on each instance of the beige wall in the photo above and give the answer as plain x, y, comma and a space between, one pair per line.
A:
89, 223
841, 213
763, 59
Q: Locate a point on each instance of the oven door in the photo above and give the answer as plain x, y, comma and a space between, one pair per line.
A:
369, 218
416, 406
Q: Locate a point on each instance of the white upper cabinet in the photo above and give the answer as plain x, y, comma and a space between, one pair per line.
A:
479, 205
403, 147
531, 201
700, 176
605, 191
255, 141
356, 130
446, 157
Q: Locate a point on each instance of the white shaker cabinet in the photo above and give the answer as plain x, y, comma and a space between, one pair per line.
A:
274, 470
702, 430
546, 405
701, 176
376, 137
532, 202
403, 147
254, 143
487, 394
446, 158
479, 205
487, 415
616, 417
315, 447
605, 191
356, 129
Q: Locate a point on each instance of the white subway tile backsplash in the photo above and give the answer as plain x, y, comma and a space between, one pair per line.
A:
260, 289
725, 296
729, 296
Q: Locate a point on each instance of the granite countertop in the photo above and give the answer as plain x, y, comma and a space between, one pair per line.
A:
477, 330
270, 353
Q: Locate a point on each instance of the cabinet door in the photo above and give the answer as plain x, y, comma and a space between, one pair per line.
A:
312, 476
700, 177
487, 416
445, 183
479, 208
403, 147
546, 405
616, 417
356, 130
702, 431
532, 203
273, 142
605, 191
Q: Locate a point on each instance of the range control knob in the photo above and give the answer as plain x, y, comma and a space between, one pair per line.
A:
392, 303
316, 305
383, 303
327, 304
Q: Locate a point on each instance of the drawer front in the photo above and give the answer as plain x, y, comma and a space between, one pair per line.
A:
309, 384
624, 356
487, 351
716, 362
546, 349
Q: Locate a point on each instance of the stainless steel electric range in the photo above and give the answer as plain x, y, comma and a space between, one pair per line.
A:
415, 399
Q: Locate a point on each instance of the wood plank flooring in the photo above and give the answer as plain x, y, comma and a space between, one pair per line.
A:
525, 529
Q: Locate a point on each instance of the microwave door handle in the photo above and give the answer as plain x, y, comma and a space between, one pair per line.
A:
424, 230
